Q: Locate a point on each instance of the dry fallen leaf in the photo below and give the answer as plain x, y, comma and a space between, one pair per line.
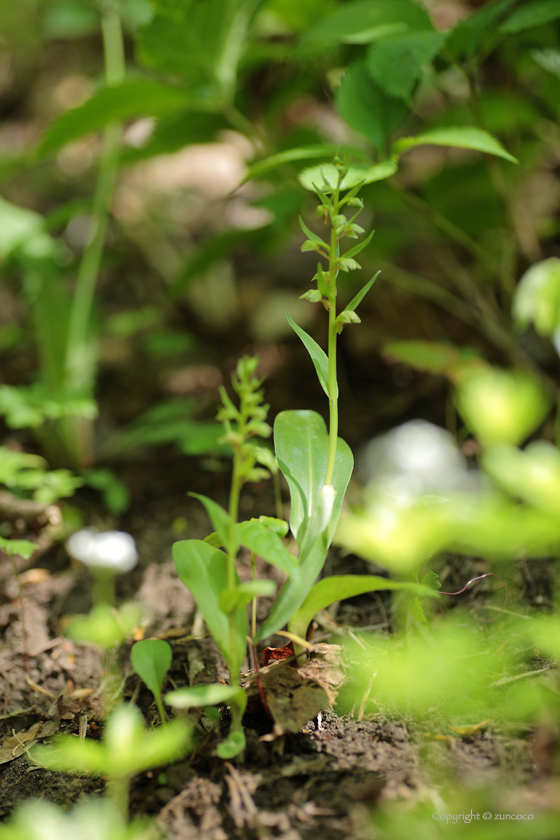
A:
294, 695
19, 742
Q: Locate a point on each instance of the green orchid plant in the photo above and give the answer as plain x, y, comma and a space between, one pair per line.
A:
317, 466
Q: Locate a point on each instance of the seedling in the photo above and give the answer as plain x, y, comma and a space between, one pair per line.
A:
151, 659
106, 554
94, 818
210, 573
126, 749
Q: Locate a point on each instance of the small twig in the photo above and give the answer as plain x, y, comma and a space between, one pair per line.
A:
38, 688
480, 577
506, 680
365, 698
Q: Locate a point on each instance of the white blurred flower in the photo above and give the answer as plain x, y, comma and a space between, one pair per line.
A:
111, 550
413, 460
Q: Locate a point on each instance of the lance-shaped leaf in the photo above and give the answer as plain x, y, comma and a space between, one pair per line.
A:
357, 299
261, 167
221, 521
458, 137
348, 315
203, 569
268, 545
338, 587
312, 236
360, 247
318, 355
302, 448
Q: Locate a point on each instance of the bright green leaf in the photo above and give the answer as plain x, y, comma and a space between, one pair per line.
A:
537, 298
501, 406
221, 521
460, 138
263, 541
431, 579
318, 355
312, 236
127, 747
203, 569
203, 695
104, 626
302, 447
532, 474
338, 587
356, 250
243, 593
21, 548
261, 167
232, 746
151, 659
357, 299
325, 176
417, 611
23, 229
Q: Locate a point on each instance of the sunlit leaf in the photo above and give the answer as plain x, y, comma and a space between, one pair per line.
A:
460, 138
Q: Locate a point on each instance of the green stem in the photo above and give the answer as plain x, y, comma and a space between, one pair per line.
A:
78, 373
160, 709
103, 590
254, 601
233, 514
334, 252
118, 791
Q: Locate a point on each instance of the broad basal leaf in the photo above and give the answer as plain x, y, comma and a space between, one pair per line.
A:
302, 446
203, 570
338, 587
